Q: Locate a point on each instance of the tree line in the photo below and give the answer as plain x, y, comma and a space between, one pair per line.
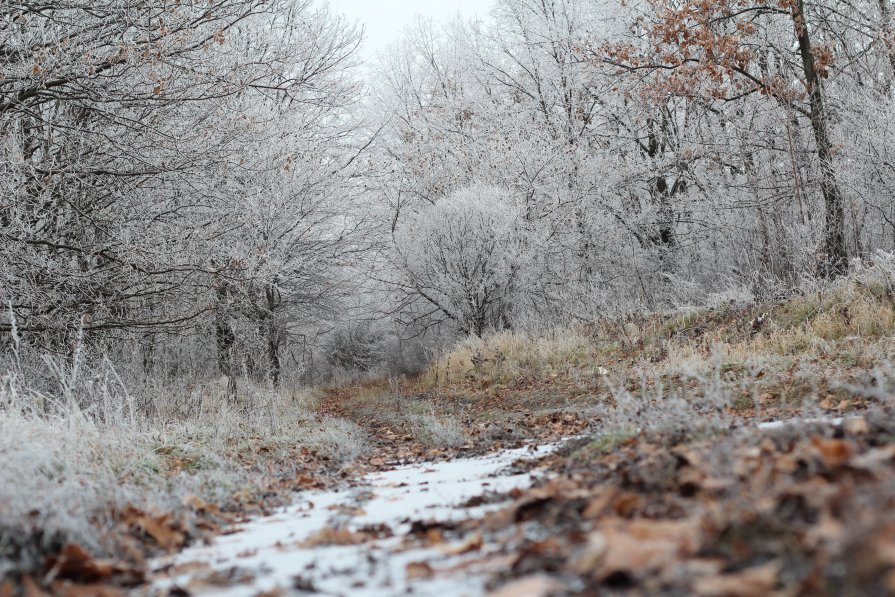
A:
220, 180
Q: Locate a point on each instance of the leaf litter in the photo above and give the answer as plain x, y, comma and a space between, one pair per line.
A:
797, 508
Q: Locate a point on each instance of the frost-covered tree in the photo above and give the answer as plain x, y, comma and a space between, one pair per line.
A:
168, 165
461, 260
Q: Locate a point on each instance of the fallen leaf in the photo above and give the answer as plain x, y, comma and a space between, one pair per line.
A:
329, 536
599, 504
875, 458
305, 481
637, 548
303, 584
856, 426
474, 543
538, 585
626, 504
74, 563
434, 536
228, 577
754, 582
30, 588
834, 452
419, 570
162, 528
69, 589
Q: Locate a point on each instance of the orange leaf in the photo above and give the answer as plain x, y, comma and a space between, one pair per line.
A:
418, 570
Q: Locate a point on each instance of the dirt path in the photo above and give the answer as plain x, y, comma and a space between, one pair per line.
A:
407, 530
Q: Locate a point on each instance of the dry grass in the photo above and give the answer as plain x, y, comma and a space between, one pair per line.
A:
507, 355
825, 350
67, 473
438, 431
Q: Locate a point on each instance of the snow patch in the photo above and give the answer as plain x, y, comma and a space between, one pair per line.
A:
270, 549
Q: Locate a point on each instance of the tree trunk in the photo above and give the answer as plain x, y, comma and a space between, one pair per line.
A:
888, 32
662, 194
223, 335
273, 334
225, 339
835, 252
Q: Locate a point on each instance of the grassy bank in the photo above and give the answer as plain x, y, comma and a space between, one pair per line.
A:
827, 349
127, 487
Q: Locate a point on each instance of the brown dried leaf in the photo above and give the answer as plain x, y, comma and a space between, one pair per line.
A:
474, 543
68, 589
538, 585
419, 570
637, 548
74, 563
30, 588
626, 504
163, 529
330, 536
434, 536
754, 582
600, 503
856, 426
834, 452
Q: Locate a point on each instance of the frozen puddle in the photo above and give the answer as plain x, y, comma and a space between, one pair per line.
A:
268, 555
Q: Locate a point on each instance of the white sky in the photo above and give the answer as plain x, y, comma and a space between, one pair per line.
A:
385, 20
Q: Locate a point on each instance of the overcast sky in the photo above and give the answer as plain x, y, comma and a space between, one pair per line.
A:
385, 20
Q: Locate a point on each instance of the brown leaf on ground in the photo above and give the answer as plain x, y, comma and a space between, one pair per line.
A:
31, 588
164, 529
834, 452
419, 570
74, 563
68, 589
599, 504
883, 543
330, 536
185, 568
433, 536
537, 585
626, 504
545, 555
754, 582
856, 426
637, 548
474, 543
305, 481
874, 459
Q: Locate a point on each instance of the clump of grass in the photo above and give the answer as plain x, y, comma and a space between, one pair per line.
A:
339, 440
606, 443
507, 355
438, 431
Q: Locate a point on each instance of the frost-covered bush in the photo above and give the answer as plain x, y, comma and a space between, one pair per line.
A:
354, 347
462, 259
